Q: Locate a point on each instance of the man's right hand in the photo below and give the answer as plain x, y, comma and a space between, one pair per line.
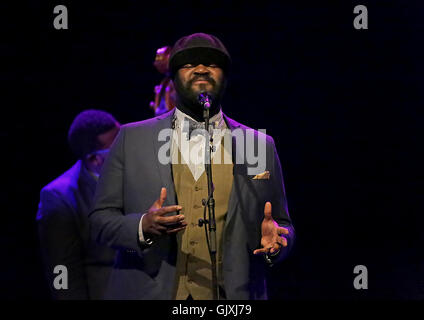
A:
155, 222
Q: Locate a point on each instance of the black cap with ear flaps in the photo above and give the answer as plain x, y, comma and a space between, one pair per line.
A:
199, 48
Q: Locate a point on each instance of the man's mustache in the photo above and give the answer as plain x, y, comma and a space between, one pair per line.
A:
203, 77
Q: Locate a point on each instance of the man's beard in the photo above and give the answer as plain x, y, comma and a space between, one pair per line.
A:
188, 99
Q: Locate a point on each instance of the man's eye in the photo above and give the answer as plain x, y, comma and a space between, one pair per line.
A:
212, 65
188, 65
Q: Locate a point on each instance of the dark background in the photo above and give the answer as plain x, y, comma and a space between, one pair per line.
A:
343, 105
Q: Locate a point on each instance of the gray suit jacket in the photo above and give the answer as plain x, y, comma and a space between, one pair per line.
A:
63, 227
131, 181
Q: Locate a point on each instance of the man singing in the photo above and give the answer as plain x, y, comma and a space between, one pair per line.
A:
148, 209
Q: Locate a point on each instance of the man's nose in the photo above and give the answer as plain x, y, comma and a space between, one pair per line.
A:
201, 69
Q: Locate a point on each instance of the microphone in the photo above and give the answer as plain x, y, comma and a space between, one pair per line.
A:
205, 100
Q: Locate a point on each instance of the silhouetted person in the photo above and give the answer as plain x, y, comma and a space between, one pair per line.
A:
64, 207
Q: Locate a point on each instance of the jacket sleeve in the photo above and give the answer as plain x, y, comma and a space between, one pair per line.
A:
109, 224
61, 244
280, 211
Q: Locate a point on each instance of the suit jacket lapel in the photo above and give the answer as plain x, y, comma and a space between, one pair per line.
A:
239, 170
164, 121
86, 179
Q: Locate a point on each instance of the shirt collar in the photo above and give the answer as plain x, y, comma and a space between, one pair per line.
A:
218, 118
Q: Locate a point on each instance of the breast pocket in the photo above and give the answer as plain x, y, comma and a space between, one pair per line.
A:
259, 189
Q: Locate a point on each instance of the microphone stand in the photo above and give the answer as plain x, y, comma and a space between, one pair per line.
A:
210, 203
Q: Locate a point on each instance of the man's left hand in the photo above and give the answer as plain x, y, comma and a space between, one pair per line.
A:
272, 239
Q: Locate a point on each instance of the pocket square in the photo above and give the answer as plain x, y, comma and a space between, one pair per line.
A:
263, 175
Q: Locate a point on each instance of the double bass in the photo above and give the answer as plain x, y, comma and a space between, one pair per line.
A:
165, 91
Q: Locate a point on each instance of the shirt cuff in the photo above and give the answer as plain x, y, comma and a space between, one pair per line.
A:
143, 240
